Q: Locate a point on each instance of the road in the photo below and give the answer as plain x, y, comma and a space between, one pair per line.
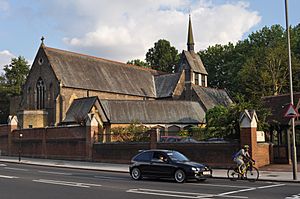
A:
38, 182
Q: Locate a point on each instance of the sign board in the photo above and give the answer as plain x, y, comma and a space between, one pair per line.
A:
260, 135
291, 112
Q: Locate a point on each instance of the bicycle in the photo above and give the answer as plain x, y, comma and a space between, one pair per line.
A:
249, 172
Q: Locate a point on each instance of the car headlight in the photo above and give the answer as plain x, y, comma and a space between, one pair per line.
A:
195, 169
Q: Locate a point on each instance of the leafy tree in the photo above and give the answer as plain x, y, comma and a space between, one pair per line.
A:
162, 56
11, 83
224, 122
15, 75
139, 62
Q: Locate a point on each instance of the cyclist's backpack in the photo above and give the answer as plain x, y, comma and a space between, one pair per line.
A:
234, 155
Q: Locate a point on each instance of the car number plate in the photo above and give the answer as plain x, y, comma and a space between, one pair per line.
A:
206, 172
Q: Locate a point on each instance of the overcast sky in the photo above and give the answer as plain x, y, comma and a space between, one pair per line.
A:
123, 30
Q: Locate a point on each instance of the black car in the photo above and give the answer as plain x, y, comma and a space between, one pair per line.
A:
167, 164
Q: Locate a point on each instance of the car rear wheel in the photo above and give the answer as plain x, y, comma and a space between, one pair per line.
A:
179, 176
136, 173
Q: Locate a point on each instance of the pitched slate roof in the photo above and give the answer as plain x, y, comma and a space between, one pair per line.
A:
81, 107
278, 106
165, 84
153, 111
92, 73
211, 97
194, 61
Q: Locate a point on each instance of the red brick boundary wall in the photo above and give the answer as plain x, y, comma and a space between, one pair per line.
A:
4, 139
213, 154
58, 142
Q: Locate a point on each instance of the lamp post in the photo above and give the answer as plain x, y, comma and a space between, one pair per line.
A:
291, 93
20, 145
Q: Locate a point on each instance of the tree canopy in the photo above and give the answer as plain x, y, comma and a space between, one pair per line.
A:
11, 83
162, 56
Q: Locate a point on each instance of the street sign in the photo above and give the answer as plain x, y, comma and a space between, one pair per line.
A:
291, 112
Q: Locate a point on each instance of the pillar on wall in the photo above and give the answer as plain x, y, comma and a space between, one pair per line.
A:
248, 126
153, 138
12, 125
92, 130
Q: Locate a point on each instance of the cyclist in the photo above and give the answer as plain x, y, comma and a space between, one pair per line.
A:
240, 156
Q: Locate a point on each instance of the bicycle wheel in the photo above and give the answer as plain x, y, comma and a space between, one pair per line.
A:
232, 174
252, 174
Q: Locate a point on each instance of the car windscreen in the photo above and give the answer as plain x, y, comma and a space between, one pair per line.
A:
176, 156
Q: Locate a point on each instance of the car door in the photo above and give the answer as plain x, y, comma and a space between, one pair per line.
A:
160, 167
143, 162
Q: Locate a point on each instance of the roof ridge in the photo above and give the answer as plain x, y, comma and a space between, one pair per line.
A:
103, 59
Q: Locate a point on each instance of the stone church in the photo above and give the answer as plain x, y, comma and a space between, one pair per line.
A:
64, 88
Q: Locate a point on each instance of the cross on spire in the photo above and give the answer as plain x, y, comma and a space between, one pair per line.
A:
42, 39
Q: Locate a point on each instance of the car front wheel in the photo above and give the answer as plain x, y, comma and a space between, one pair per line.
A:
179, 176
136, 173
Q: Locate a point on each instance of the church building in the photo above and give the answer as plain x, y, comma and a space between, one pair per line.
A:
64, 88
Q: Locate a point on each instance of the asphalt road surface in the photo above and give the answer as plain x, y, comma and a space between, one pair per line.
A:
18, 181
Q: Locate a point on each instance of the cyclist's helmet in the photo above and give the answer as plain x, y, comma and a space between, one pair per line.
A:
246, 147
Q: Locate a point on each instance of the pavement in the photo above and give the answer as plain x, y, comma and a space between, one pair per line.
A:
273, 172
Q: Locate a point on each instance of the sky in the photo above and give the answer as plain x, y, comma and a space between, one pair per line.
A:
124, 30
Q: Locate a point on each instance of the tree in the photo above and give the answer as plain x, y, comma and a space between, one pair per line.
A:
224, 121
15, 75
162, 56
11, 83
139, 62
265, 71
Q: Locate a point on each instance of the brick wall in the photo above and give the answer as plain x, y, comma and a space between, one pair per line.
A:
59, 142
4, 139
262, 156
212, 154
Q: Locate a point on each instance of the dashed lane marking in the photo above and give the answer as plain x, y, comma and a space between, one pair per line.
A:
110, 178
66, 183
3, 165
56, 173
8, 177
16, 169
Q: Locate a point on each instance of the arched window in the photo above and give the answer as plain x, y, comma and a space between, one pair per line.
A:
40, 94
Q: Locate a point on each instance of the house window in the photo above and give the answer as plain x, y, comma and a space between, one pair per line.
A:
203, 80
40, 94
196, 78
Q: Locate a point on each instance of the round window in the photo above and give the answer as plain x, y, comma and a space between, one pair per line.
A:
41, 61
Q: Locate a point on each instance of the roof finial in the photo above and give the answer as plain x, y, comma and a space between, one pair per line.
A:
42, 39
190, 39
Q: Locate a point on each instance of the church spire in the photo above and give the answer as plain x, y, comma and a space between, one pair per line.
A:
190, 39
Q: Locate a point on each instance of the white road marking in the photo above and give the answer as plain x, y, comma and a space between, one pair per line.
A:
9, 177
17, 169
238, 191
218, 185
66, 183
56, 173
2, 165
169, 193
250, 189
293, 197
271, 186
177, 194
107, 177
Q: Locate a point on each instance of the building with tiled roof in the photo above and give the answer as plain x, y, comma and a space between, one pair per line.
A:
63, 87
